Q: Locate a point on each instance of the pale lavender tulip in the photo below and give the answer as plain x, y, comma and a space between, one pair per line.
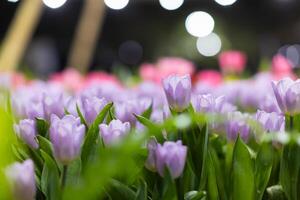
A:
178, 91
114, 132
53, 104
151, 159
237, 124
271, 122
22, 180
208, 103
125, 110
67, 136
171, 155
287, 93
26, 130
92, 107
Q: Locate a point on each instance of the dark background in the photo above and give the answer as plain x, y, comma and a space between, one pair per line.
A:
257, 27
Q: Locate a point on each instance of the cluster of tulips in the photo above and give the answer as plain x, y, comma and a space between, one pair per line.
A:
174, 135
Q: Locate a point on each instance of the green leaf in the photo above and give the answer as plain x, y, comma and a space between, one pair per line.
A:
153, 128
82, 119
289, 170
212, 186
141, 193
147, 113
92, 135
169, 187
111, 116
121, 191
195, 195
73, 172
50, 178
45, 145
263, 168
243, 185
203, 140
42, 127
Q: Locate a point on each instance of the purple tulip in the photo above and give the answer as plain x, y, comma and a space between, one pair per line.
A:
151, 160
53, 104
22, 180
237, 124
114, 132
208, 103
271, 122
34, 109
269, 104
178, 91
287, 93
67, 136
171, 155
125, 110
92, 107
26, 130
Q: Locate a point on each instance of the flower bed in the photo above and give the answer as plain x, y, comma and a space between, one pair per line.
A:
93, 137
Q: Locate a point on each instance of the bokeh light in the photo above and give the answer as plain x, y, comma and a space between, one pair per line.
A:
13, 1
199, 24
116, 4
209, 45
225, 2
130, 52
54, 3
171, 4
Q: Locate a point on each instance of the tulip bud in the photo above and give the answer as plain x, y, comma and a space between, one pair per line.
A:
171, 155
271, 122
22, 180
67, 136
208, 104
287, 93
26, 130
92, 107
237, 123
53, 104
178, 91
113, 132
151, 160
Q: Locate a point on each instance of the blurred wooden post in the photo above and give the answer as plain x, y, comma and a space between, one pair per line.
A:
86, 36
19, 34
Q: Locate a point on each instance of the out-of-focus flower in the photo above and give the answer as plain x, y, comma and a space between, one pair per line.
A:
26, 130
114, 132
232, 61
271, 122
281, 68
125, 110
92, 107
178, 91
53, 104
151, 159
149, 72
208, 77
165, 67
269, 104
237, 123
172, 65
98, 78
22, 180
171, 155
208, 103
67, 136
70, 79
287, 93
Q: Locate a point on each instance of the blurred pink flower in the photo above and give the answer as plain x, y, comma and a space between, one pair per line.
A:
209, 77
12, 79
232, 61
165, 67
175, 66
149, 72
282, 67
70, 79
100, 77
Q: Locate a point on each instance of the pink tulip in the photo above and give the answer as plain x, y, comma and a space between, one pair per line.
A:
70, 79
174, 66
209, 77
149, 72
100, 77
281, 68
232, 61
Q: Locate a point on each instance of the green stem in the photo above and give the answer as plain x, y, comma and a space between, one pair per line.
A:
64, 176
